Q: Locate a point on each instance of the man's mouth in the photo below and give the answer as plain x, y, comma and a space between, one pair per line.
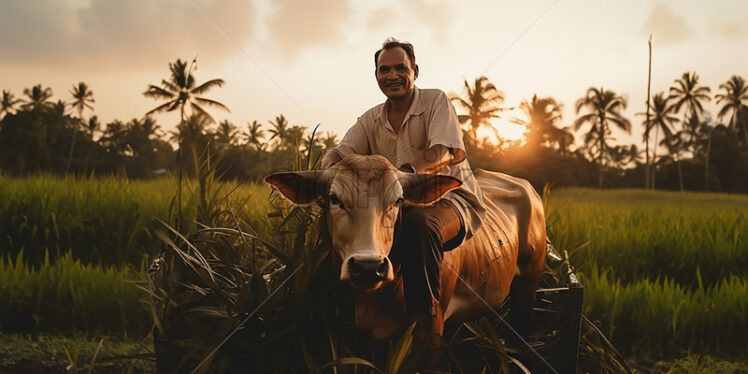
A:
394, 84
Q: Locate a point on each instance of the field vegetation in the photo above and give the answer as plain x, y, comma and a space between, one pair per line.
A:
662, 271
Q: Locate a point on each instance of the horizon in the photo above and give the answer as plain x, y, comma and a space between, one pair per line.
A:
320, 70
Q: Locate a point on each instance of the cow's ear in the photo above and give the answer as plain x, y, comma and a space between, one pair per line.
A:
301, 187
424, 189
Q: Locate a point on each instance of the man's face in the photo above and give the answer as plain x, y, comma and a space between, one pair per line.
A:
395, 73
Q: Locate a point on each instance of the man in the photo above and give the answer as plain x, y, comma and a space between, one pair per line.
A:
417, 130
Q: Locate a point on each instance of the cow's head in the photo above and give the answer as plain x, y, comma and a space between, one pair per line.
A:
364, 195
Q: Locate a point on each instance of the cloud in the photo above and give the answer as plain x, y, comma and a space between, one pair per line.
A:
436, 15
380, 18
111, 33
666, 27
299, 25
729, 29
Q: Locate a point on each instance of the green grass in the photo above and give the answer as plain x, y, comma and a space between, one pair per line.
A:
102, 220
68, 295
653, 235
664, 272
664, 318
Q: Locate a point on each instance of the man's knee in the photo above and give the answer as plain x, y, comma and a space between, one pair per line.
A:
420, 222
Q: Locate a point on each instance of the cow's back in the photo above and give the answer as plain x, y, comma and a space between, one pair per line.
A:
511, 241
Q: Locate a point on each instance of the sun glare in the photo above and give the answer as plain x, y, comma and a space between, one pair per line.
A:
505, 128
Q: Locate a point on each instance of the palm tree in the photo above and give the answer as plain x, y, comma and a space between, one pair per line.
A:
295, 137
8, 103
542, 116
254, 135
279, 130
735, 97
482, 102
660, 120
687, 93
82, 99
37, 97
226, 133
603, 107
329, 140
180, 91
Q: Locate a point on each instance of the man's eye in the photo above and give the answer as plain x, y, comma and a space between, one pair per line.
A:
335, 201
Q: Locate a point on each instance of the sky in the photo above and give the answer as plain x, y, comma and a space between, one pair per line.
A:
313, 60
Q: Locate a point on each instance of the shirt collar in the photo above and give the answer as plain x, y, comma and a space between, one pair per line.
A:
416, 107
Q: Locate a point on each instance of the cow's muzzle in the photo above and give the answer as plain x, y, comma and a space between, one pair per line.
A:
367, 269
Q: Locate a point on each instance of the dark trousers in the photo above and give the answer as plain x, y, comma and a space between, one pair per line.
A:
422, 236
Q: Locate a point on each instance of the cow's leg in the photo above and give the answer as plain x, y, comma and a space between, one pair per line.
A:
522, 292
522, 300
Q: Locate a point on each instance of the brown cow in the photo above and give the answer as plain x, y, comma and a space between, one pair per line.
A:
364, 195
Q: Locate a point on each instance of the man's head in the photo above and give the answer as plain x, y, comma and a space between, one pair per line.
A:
396, 68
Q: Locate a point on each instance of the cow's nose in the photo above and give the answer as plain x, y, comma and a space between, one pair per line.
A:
368, 271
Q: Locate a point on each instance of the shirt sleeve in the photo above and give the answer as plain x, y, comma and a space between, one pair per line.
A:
354, 141
444, 128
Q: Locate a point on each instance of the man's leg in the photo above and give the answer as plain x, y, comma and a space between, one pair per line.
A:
423, 235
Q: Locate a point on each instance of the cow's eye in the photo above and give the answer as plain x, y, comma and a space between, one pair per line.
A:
399, 201
335, 201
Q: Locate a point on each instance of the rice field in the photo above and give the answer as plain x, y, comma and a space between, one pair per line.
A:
664, 272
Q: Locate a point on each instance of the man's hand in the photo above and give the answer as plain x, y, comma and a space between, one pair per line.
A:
434, 159
331, 158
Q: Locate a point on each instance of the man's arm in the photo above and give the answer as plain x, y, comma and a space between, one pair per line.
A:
434, 159
331, 158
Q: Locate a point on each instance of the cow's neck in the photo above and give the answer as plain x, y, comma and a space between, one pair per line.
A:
381, 313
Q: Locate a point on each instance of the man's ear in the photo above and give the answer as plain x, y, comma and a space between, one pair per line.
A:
301, 187
415, 72
424, 189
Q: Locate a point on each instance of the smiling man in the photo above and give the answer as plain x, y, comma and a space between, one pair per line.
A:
417, 130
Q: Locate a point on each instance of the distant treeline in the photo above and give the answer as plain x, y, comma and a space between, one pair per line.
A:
38, 135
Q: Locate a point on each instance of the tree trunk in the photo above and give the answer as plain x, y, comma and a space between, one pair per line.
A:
70, 154
654, 158
680, 175
708, 151
646, 126
601, 157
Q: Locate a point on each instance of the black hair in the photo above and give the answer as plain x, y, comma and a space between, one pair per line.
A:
394, 43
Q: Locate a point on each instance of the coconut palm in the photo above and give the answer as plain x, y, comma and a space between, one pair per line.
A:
687, 93
180, 91
82, 99
735, 96
329, 140
482, 102
603, 108
542, 116
38, 96
226, 133
279, 129
295, 137
660, 119
254, 135
8, 103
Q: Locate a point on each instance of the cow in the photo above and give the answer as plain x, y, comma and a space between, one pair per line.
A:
362, 196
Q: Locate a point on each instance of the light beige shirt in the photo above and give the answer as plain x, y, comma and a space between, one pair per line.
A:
430, 120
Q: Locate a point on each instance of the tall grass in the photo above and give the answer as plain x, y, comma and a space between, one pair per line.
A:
67, 295
655, 318
651, 235
101, 220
